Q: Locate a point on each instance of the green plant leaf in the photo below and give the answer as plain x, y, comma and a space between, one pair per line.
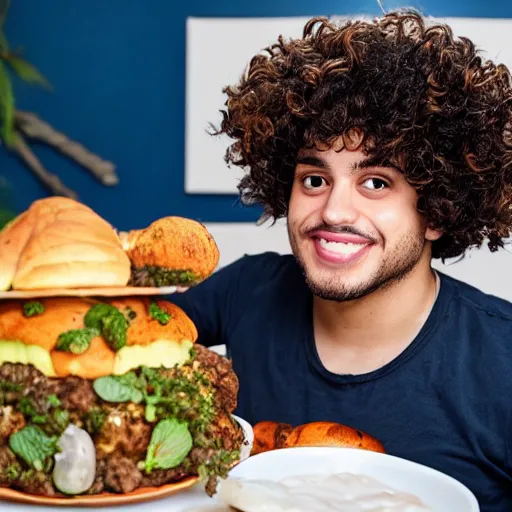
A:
6, 107
170, 443
26, 71
4, 44
4, 8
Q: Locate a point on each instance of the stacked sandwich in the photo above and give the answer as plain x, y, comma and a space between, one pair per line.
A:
107, 392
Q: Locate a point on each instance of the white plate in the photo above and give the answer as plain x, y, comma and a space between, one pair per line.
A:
437, 490
107, 291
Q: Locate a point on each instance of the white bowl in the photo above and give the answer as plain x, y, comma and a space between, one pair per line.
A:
246, 448
437, 490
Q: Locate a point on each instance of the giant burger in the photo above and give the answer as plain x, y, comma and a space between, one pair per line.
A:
107, 394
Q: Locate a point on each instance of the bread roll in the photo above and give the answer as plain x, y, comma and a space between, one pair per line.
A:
60, 315
272, 435
269, 435
96, 362
13, 239
61, 243
143, 328
325, 433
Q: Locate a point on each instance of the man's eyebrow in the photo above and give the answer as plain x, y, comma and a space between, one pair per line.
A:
370, 162
314, 161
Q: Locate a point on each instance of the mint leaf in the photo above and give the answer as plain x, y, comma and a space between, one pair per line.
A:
170, 443
118, 389
33, 445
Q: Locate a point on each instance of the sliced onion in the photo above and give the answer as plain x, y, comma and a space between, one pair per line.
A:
75, 464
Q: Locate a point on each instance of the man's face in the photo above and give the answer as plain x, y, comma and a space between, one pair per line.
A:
353, 229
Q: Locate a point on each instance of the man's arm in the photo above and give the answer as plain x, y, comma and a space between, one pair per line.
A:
213, 305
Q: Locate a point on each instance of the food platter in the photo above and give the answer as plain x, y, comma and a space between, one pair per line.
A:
100, 500
141, 495
109, 291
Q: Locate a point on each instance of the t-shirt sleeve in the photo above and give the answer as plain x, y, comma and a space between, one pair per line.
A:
214, 305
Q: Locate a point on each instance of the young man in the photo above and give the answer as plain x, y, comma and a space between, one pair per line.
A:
385, 144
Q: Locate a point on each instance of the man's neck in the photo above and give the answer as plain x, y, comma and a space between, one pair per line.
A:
360, 336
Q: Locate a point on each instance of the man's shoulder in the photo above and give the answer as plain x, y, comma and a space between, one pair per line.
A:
480, 302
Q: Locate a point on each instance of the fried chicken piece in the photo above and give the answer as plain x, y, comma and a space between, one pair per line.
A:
172, 251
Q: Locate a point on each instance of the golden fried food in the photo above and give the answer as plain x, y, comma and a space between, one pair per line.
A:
171, 251
271, 435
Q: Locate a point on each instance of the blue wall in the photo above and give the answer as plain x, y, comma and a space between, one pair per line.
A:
118, 69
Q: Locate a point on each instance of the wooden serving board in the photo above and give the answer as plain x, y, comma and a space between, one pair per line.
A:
112, 291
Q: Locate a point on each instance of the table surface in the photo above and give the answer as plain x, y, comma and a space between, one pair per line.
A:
179, 502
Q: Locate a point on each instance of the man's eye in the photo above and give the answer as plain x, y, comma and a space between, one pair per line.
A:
375, 184
312, 182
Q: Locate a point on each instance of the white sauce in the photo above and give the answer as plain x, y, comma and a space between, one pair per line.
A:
344, 492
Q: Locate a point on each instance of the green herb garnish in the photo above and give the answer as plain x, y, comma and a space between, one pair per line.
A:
76, 341
159, 314
118, 389
33, 308
53, 400
170, 443
94, 420
110, 322
28, 408
33, 446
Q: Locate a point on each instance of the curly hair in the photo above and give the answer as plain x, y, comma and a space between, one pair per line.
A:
425, 101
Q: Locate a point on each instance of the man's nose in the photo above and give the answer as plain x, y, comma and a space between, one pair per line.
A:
340, 207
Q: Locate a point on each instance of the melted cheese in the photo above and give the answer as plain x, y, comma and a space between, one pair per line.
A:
159, 353
12, 351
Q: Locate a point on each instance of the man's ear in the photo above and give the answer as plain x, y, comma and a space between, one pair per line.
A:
433, 234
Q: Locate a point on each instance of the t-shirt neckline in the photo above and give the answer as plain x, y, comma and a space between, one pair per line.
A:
422, 338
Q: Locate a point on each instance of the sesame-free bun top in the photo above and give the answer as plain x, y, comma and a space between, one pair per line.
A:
61, 315
61, 243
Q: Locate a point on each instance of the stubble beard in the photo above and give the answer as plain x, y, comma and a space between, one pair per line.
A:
394, 268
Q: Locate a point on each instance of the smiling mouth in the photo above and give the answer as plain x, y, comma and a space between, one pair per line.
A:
343, 251
342, 248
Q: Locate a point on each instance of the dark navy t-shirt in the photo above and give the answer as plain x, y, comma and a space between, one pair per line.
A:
445, 402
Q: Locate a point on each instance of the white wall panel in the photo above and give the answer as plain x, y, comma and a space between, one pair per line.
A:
219, 49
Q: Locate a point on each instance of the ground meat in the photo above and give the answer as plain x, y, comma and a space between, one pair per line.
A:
17, 373
9, 467
159, 477
36, 482
219, 372
124, 431
121, 475
10, 422
98, 485
224, 428
75, 393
